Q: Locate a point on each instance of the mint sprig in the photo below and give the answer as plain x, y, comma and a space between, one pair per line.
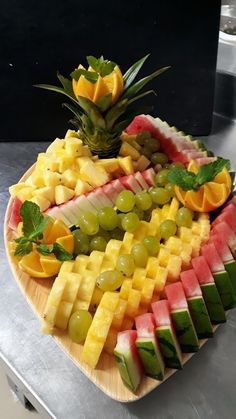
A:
187, 180
101, 66
34, 225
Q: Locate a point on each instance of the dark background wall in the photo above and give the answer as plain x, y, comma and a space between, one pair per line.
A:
39, 37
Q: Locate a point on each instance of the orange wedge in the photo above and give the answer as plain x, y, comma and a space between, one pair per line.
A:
58, 229
101, 89
83, 87
209, 196
67, 242
115, 83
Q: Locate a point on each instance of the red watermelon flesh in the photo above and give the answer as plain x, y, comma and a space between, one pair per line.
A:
202, 270
228, 215
224, 230
221, 247
176, 297
130, 183
204, 160
139, 124
190, 284
161, 312
148, 176
15, 217
145, 325
126, 343
212, 257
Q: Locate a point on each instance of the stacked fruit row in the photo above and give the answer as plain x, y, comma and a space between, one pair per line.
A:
191, 307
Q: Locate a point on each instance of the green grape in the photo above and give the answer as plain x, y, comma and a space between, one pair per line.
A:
152, 245
130, 222
176, 164
160, 158
142, 137
184, 217
79, 325
104, 233
152, 144
168, 228
125, 264
117, 234
109, 280
161, 177
170, 187
81, 242
120, 218
88, 223
139, 212
125, 201
107, 218
143, 200
146, 152
140, 255
98, 243
160, 196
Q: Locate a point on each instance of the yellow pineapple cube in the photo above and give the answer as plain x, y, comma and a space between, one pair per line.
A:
67, 266
136, 145
125, 289
196, 245
139, 277
147, 291
156, 216
142, 163
42, 202
25, 193
86, 288
128, 150
109, 165
128, 137
49, 179
110, 300
126, 164
127, 242
108, 263
95, 260
141, 231
65, 162
56, 145
46, 162
119, 313
186, 254
72, 285
101, 324
82, 187
91, 351
160, 278
196, 228
70, 178
47, 192
80, 161
165, 211
174, 268
63, 315
133, 302
73, 147
63, 194
95, 176
71, 133
53, 303
174, 244
185, 234
113, 249
152, 266
86, 151
174, 206
163, 256
14, 189
81, 263
96, 298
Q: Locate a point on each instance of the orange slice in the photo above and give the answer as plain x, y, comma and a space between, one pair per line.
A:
115, 83
101, 89
67, 242
83, 87
58, 229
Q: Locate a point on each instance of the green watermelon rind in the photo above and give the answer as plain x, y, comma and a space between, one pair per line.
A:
151, 358
185, 330
169, 347
230, 267
200, 317
127, 370
225, 289
213, 303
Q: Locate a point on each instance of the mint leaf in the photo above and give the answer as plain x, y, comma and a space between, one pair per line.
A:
44, 249
21, 240
207, 172
181, 177
34, 223
91, 76
101, 66
23, 249
61, 253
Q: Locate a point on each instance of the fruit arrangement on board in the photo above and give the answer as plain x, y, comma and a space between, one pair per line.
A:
135, 224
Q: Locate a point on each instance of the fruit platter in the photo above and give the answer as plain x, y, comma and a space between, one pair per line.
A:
122, 235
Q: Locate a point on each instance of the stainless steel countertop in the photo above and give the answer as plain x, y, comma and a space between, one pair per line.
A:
205, 388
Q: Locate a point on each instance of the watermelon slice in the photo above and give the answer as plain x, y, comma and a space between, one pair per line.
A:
110, 191
221, 276
127, 359
209, 290
196, 304
224, 230
169, 345
149, 176
15, 217
139, 124
56, 213
140, 179
147, 346
181, 318
130, 183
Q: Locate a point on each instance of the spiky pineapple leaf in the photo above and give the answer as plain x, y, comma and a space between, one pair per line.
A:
148, 92
55, 89
136, 87
67, 84
115, 112
92, 111
104, 102
75, 110
132, 72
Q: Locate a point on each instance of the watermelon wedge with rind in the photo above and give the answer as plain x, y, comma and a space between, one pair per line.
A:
15, 217
127, 359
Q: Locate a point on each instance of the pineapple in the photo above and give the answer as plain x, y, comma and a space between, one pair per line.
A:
101, 99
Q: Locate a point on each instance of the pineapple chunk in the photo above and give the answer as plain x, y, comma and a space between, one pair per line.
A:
69, 178
147, 291
101, 324
139, 278
160, 279
96, 298
174, 268
119, 313
152, 267
142, 163
128, 137
128, 150
63, 194
125, 289
82, 187
92, 351
71, 133
57, 144
63, 315
95, 260
174, 206
42, 202
73, 147
80, 161
65, 162
110, 300
86, 151
127, 242
113, 249
47, 192
46, 162
93, 175
25, 193
14, 189
109, 165
86, 290
51, 179
133, 302
126, 165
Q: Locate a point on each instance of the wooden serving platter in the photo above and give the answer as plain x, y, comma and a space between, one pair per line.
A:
106, 375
